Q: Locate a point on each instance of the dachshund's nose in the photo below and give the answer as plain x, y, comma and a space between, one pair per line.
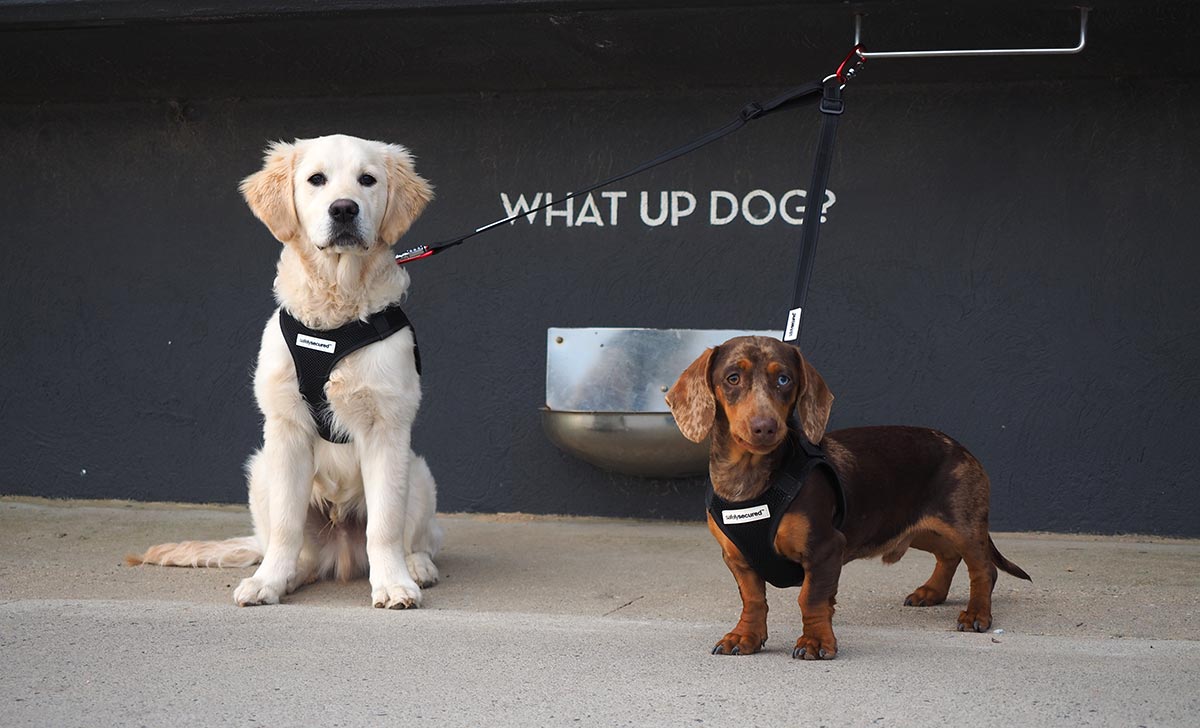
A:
343, 210
763, 429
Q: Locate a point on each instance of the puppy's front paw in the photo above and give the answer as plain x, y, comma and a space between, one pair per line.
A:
740, 643
815, 648
422, 568
396, 596
252, 592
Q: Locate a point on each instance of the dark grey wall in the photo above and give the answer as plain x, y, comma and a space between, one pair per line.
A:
1010, 261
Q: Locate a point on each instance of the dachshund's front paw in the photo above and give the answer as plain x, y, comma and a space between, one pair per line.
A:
740, 643
814, 648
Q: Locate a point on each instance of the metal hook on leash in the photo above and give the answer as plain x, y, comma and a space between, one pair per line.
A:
850, 66
1083, 16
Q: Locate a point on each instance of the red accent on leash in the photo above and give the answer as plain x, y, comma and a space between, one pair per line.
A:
411, 255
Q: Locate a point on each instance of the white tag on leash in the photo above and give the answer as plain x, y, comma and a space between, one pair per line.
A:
793, 325
746, 515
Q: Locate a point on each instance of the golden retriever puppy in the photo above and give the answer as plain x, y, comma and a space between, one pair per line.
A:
336, 490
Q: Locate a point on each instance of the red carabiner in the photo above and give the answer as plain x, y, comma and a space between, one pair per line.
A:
846, 70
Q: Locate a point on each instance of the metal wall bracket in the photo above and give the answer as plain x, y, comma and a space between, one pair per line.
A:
1083, 16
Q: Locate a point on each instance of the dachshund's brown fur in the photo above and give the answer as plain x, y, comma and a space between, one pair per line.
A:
905, 487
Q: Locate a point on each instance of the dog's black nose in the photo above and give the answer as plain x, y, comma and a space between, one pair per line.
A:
343, 210
763, 428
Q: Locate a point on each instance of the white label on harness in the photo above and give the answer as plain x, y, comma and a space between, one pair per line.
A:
745, 515
312, 342
793, 325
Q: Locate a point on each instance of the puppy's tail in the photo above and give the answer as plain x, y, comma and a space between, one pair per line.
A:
230, 553
1004, 564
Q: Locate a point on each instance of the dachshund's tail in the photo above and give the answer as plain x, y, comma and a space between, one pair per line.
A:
1006, 565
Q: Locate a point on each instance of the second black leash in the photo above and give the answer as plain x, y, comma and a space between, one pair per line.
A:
831, 106
750, 112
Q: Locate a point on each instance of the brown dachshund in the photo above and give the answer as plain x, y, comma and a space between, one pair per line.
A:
902, 487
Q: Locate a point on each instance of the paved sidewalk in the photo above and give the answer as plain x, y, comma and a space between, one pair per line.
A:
549, 621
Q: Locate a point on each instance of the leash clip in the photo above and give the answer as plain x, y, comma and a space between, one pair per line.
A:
417, 253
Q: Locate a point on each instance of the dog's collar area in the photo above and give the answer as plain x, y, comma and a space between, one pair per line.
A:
752, 524
315, 352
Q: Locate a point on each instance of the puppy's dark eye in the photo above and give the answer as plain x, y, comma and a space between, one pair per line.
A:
317, 180
366, 180
734, 378
784, 380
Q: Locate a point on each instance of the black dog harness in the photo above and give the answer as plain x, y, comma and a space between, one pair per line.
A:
751, 524
315, 352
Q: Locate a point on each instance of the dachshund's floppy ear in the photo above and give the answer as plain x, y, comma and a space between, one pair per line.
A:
691, 398
814, 401
269, 192
408, 193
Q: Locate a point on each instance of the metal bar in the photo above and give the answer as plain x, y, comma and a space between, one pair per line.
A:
1083, 16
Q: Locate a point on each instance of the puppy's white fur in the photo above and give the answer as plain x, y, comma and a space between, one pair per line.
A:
322, 509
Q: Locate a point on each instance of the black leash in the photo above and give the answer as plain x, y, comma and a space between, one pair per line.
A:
750, 112
831, 106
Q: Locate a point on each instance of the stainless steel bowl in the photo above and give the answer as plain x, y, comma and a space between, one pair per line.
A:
604, 396
634, 443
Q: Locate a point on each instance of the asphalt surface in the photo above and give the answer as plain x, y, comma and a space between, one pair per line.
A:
552, 621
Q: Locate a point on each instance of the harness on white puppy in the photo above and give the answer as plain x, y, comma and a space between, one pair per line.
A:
316, 351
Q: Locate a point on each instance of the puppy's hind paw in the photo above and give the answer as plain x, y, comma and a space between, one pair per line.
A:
422, 568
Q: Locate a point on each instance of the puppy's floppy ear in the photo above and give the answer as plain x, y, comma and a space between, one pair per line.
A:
814, 401
269, 192
691, 398
408, 194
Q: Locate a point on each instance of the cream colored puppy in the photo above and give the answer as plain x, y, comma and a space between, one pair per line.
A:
320, 509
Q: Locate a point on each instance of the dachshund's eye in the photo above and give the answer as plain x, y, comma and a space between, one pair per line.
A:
317, 180
734, 378
784, 380
366, 180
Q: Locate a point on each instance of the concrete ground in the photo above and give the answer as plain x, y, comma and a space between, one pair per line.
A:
554, 621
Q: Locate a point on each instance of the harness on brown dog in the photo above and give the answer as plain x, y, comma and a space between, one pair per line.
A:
751, 524
315, 352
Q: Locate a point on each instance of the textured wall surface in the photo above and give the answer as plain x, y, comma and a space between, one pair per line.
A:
1010, 262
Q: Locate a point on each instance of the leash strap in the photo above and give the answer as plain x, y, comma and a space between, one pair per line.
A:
754, 110
831, 107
